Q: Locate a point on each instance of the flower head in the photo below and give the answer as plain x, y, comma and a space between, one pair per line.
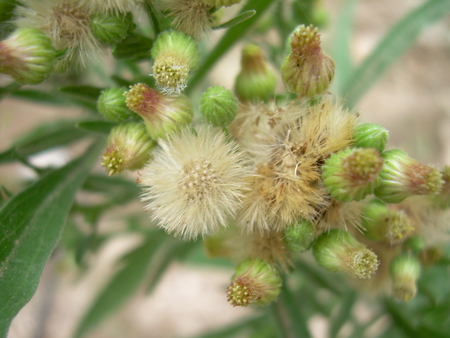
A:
194, 183
404, 270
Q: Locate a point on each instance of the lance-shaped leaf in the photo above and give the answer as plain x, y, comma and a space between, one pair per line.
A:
30, 226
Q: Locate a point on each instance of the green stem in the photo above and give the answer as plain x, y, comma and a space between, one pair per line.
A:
290, 319
9, 89
151, 12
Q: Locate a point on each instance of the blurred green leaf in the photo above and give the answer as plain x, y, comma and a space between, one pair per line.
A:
342, 314
118, 189
89, 93
124, 283
98, 127
394, 44
230, 38
236, 20
45, 136
133, 47
31, 224
41, 97
240, 327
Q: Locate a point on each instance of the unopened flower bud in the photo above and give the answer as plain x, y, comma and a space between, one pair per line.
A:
162, 114
442, 200
337, 250
112, 27
254, 282
382, 223
402, 176
431, 255
300, 236
218, 106
221, 3
256, 82
352, 174
404, 270
307, 70
111, 104
27, 55
174, 54
129, 147
370, 135
415, 244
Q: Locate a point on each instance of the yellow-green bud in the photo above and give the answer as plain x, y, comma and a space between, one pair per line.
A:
218, 106
370, 135
415, 244
254, 282
337, 250
307, 70
27, 55
129, 147
382, 223
112, 27
402, 176
442, 200
300, 236
256, 81
352, 174
111, 104
162, 114
221, 3
404, 270
174, 54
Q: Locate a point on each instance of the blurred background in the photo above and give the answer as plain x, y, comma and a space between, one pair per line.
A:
412, 100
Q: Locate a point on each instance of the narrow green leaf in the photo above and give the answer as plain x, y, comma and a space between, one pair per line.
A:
235, 329
40, 97
31, 224
394, 44
341, 44
230, 38
237, 20
133, 47
124, 283
343, 314
86, 92
99, 127
118, 189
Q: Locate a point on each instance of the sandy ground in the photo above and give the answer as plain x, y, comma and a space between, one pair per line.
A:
411, 100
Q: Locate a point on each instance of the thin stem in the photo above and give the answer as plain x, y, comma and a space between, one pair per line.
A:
151, 12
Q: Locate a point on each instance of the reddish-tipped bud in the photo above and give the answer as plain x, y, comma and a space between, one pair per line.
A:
254, 282
403, 176
27, 55
404, 271
307, 70
175, 54
300, 236
382, 223
370, 135
129, 147
337, 250
256, 82
352, 174
111, 104
162, 114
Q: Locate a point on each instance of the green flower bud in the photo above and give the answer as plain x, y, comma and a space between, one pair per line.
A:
402, 176
370, 135
307, 70
352, 174
27, 55
414, 243
382, 223
175, 54
404, 271
254, 282
162, 114
442, 200
256, 81
111, 28
337, 250
111, 104
129, 147
300, 236
218, 106
221, 3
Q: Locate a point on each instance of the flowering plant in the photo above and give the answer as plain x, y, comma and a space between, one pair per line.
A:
276, 175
